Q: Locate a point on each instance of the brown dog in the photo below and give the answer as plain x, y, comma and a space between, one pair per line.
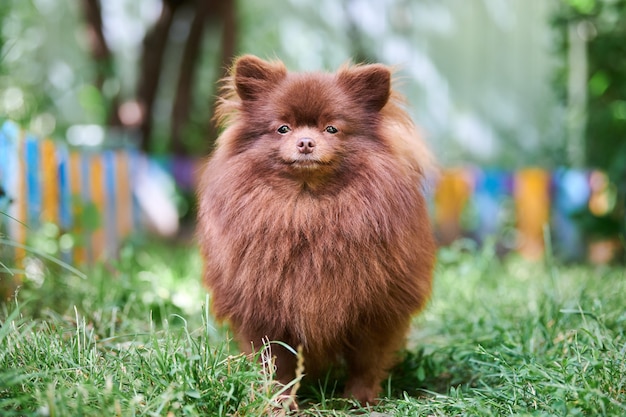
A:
312, 221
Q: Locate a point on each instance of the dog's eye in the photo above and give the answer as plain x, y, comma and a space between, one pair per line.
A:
283, 129
331, 129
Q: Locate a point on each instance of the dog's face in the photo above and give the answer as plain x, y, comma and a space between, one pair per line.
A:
306, 125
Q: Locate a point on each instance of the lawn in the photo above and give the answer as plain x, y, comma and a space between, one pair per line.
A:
135, 337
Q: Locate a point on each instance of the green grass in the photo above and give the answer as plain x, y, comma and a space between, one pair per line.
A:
500, 337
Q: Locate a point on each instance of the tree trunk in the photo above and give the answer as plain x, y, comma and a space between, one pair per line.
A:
228, 17
154, 45
191, 53
229, 33
360, 52
97, 43
101, 54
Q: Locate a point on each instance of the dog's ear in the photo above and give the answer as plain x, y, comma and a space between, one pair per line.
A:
368, 84
254, 76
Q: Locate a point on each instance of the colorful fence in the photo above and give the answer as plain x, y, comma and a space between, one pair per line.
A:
47, 181
515, 206
87, 194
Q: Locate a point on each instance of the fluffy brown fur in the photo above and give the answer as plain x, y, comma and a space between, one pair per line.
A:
312, 221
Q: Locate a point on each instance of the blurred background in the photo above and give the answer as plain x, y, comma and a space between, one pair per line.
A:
479, 74
498, 86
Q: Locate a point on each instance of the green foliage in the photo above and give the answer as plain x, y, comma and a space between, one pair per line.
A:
94, 104
605, 136
46, 73
500, 337
582, 6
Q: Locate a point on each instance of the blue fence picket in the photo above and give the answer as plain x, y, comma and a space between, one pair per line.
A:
9, 134
110, 188
32, 157
65, 200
